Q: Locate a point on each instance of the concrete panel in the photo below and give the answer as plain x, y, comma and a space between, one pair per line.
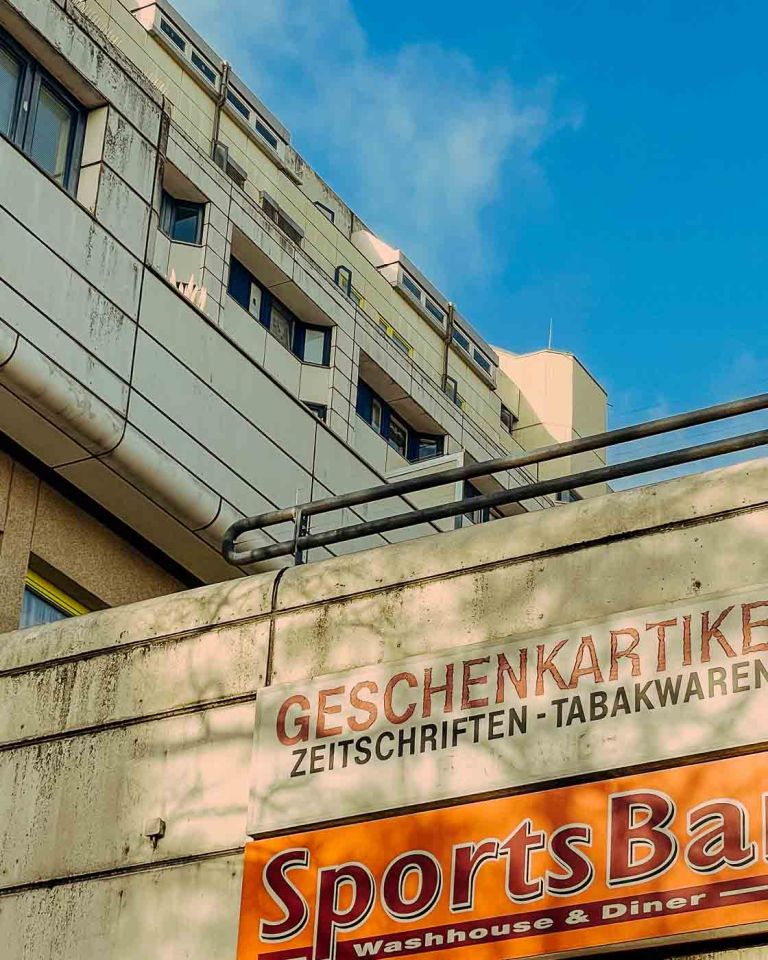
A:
131, 681
127, 152
246, 332
68, 300
55, 221
123, 212
231, 374
200, 461
282, 364
191, 403
190, 770
184, 912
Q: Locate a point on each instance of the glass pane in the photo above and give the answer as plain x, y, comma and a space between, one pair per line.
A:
35, 610
314, 346
282, 327
398, 437
10, 75
255, 306
50, 141
187, 222
428, 447
376, 415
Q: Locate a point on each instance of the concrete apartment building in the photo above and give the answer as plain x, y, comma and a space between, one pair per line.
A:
194, 327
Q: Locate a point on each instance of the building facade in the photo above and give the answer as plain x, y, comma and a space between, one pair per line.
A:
194, 327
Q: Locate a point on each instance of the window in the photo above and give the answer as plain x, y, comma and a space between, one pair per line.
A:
173, 35
182, 220
207, 71
320, 410
568, 496
436, 312
266, 133
283, 221
238, 104
411, 286
10, 83
45, 603
508, 419
377, 415
482, 515
317, 342
409, 443
281, 325
398, 436
326, 212
451, 389
311, 344
482, 361
463, 342
39, 116
429, 447
233, 170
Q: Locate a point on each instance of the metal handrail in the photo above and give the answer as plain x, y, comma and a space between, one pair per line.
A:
302, 541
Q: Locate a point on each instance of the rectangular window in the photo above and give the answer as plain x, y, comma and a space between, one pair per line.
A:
320, 410
281, 219
508, 419
10, 86
482, 515
436, 312
397, 436
461, 340
377, 415
265, 132
317, 341
482, 361
281, 325
39, 116
173, 35
426, 448
44, 603
208, 72
238, 104
182, 220
411, 286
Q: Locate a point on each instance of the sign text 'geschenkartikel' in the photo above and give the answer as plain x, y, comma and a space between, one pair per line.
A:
674, 681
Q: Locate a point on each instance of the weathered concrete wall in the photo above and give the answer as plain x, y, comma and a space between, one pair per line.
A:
147, 711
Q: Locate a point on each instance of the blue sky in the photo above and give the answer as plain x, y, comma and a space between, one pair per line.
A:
602, 164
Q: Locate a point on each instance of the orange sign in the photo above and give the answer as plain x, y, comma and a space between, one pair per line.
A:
658, 856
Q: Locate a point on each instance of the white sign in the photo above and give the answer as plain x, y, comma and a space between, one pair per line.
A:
650, 685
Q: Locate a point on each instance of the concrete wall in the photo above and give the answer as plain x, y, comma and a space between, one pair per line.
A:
147, 711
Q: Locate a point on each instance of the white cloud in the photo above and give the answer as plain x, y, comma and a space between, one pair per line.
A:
419, 141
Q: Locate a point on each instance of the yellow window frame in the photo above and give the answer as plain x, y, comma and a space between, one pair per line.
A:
397, 337
51, 593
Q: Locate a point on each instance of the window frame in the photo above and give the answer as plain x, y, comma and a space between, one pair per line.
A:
238, 275
32, 79
52, 595
169, 216
319, 410
513, 420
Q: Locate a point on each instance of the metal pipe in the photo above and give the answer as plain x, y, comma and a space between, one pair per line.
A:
401, 488
587, 478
